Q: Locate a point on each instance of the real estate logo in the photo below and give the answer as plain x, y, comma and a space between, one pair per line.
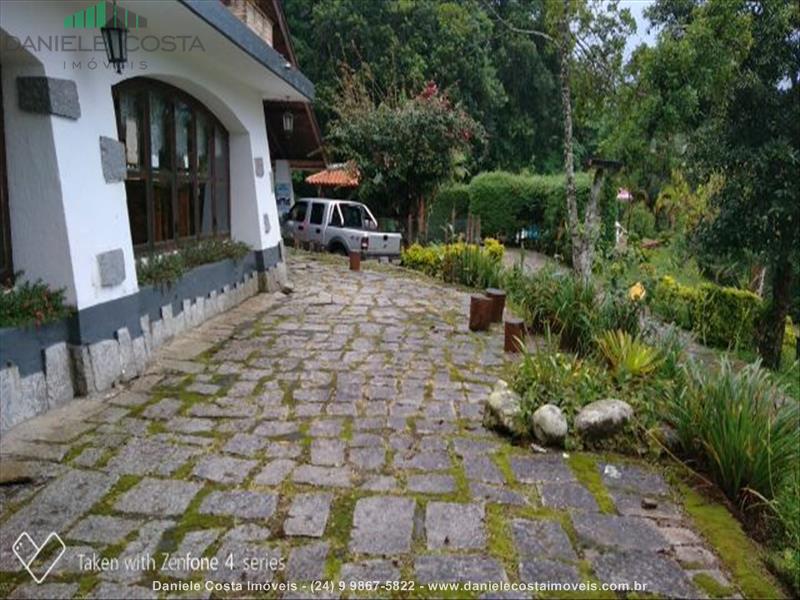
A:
102, 14
38, 560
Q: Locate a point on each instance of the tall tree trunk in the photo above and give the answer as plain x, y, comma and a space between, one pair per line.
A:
578, 245
773, 323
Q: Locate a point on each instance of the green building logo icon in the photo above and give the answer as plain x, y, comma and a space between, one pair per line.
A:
103, 14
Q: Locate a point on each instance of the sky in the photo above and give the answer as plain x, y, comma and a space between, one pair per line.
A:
641, 36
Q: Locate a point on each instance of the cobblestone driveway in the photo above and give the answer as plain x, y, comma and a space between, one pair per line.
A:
332, 434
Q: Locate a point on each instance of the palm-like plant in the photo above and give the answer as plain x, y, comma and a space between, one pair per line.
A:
626, 356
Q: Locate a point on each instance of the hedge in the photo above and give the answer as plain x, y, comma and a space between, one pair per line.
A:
721, 316
450, 197
508, 203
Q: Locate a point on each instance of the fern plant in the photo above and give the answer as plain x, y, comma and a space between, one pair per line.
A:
627, 357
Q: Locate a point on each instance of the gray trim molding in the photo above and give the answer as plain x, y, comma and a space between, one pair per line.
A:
49, 96
220, 18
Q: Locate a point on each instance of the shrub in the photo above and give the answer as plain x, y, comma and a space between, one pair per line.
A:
642, 222
159, 269
470, 265
721, 316
533, 295
494, 249
31, 304
550, 377
427, 259
465, 264
732, 423
627, 357
575, 314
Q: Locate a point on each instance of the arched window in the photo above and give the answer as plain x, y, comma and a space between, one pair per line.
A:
178, 184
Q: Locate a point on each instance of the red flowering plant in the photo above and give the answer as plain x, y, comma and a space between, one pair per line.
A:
404, 147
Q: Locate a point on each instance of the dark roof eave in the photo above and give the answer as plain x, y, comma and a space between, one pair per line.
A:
224, 21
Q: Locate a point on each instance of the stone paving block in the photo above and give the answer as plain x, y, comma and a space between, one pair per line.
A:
380, 483
240, 504
207, 389
382, 525
144, 456
610, 531
454, 525
276, 428
482, 468
432, 460
55, 508
370, 570
680, 536
632, 478
283, 449
496, 494
307, 563
89, 457
223, 469
308, 515
567, 495
326, 428
474, 447
544, 571
122, 592
430, 483
245, 444
275, 472
533, 469
661, 574
193, 543
365, 440
694, 557
327, 452
163, 409
630, 504
323, 476
102, 529
158, 497
146, 543
367, 459
462, 569
541, 538
45, 591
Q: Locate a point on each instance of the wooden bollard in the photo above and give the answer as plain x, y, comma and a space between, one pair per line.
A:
515, 335
355, 261
480, 312
498, 303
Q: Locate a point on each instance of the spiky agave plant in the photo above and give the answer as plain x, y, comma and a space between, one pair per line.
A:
627, 357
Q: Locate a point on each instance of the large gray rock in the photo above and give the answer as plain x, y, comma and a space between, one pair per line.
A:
550, 425
503, 408
603, 418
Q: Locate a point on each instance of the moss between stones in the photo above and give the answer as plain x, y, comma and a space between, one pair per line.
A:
105, 506
741, 556
500, 543
711, 586
585, 468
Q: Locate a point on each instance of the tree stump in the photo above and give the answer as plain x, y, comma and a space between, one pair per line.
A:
498, 303
355, 261
515, 335
480, 312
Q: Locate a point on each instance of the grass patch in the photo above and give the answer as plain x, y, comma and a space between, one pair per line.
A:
105, 506
340, 523
500, 543
712, 587
741, 556
585, 468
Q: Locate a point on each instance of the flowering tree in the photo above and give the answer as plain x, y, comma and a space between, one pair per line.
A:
404, 147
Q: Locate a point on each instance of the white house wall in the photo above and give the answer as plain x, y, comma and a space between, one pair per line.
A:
95, 218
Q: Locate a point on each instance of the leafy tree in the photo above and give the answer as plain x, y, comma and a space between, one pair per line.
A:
404, 147
754, 141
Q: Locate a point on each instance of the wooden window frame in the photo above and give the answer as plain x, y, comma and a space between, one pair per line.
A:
143, 87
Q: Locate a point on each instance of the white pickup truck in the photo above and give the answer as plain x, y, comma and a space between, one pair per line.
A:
339, 226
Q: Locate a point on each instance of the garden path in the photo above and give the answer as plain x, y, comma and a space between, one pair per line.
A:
336, 431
